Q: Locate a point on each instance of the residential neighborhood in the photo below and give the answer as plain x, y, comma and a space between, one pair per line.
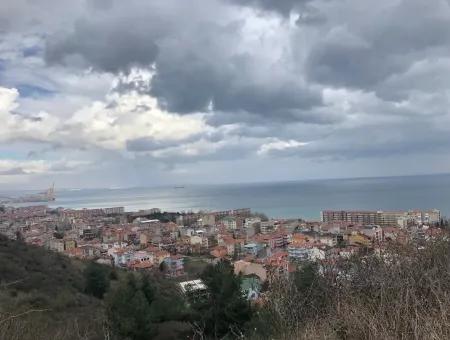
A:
178, 245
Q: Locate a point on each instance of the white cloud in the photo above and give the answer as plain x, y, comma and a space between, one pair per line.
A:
278, 145
7, 101
106, 124
15, 125
122, 117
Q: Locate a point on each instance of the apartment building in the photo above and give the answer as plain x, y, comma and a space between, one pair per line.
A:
382, 218
354, 217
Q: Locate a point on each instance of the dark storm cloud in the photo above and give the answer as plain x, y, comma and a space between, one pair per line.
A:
138, 85
411, 26
429, 76
283, 7
227, 118
195, 63
108, 47
306, 116
310, 15
118, 36
285, 100
389, 146
365, 54
398, 139
100, 4
238, 148
185, 88
148, 144
195, 73
193, 89
339, 64
37, 16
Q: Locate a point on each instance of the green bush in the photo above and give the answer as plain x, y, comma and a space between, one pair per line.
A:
96, 280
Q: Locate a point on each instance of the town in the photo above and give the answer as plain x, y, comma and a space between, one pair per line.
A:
179, 244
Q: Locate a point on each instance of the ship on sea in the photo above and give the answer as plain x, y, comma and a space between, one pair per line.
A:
46, 196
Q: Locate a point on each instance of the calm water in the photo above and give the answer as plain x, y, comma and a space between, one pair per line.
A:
287, 199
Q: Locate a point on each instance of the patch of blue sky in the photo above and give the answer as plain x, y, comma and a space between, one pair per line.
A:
25, 151
32, 51
12, 155
27, 90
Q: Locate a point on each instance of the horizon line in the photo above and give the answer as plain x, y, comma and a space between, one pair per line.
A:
230, 183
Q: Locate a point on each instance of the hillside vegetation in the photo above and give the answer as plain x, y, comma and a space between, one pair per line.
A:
42, 296
47, 296
402, 293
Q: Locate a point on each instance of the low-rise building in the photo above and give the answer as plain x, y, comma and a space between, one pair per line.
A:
174, 266
266, 227
56, 245
219, 252
121, 256
251, 221
253, 248
207, 220
374, 232
229, 222
194, 289
250, 268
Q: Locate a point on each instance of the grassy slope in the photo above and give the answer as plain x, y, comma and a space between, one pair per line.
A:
48, 288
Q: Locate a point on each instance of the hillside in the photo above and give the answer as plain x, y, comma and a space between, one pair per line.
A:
42, 296
47, 296
398, 292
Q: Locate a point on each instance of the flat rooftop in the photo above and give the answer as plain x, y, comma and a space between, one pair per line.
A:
190, 286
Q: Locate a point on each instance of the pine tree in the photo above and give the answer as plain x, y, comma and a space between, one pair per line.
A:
128, 309
96, 280
224, 308
148, 289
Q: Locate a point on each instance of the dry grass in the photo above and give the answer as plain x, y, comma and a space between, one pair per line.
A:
403, 294
30, 325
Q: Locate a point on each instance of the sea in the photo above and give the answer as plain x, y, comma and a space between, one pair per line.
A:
292, 199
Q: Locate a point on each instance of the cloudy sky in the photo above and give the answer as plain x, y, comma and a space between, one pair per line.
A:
101, 93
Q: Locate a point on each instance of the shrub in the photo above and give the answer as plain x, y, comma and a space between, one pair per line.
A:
402, 293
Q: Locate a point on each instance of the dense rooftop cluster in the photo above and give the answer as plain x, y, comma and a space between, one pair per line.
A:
259, 248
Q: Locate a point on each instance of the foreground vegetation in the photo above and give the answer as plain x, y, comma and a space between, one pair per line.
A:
44, 295
401, 293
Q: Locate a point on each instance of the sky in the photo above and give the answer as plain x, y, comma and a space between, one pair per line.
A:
113, 93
